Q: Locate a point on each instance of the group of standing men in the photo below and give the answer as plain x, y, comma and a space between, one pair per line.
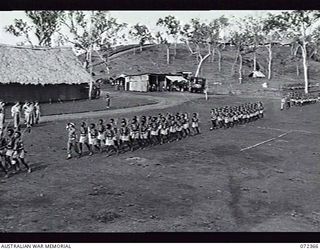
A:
31, 112
140, 132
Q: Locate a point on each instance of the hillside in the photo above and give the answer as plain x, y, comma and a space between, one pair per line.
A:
153, 59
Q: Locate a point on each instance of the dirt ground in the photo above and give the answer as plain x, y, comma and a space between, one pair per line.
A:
118, 100
202, 183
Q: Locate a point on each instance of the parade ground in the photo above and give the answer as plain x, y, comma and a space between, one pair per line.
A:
262, 176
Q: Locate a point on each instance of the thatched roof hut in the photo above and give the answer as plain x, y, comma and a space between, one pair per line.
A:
23, 68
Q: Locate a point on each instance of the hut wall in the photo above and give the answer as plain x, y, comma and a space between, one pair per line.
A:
139, 83
17, 92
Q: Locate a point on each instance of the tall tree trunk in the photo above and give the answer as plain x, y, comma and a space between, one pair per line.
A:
254, 60
297, 68
219, 60
140, 47
240, 68
213, 53
270, 61
305, 67
91, 69
175, 50
234, 63
134, 50
168, 54
202, 59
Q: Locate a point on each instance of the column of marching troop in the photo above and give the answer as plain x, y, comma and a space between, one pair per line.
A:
296, 98
12, 152
139, 132
228, 116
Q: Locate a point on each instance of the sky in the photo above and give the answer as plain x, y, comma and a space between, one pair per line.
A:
131, 17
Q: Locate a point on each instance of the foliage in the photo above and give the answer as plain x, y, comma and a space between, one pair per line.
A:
141, 33
44, 24
97, 29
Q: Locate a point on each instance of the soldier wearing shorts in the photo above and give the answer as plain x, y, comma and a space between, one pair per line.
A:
83, 140
93, 138
18, 156
186, 124
101, 134
179, 127
154, 131
9, 146
124, 135
109, 142
115, 132
72, 140
144, 132
3, 153
213, 119
134, 133
164, 130
195, 124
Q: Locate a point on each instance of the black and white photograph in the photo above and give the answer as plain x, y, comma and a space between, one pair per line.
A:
159, 121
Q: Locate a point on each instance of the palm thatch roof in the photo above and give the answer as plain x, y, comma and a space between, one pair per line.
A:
26, 65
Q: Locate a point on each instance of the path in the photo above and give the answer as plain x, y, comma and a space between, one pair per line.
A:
172, 99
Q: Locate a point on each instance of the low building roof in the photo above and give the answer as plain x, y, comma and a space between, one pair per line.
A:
40, 66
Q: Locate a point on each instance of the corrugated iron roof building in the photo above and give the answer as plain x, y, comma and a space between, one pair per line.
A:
43, 74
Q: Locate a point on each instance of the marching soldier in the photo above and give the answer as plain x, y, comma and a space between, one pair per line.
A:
115, 132
19, 152
3, 153
110, 143
213, 119
93, 141
9, 147
195, 124
101, 134
144, 132
124, 135
83, 140
72, 140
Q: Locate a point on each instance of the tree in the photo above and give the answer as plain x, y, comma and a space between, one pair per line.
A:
301, 24
141, 33
239, 38
216, 26
43, 25
162, 40
172, 28
254, 37
197, 33
270, 33
91, 31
